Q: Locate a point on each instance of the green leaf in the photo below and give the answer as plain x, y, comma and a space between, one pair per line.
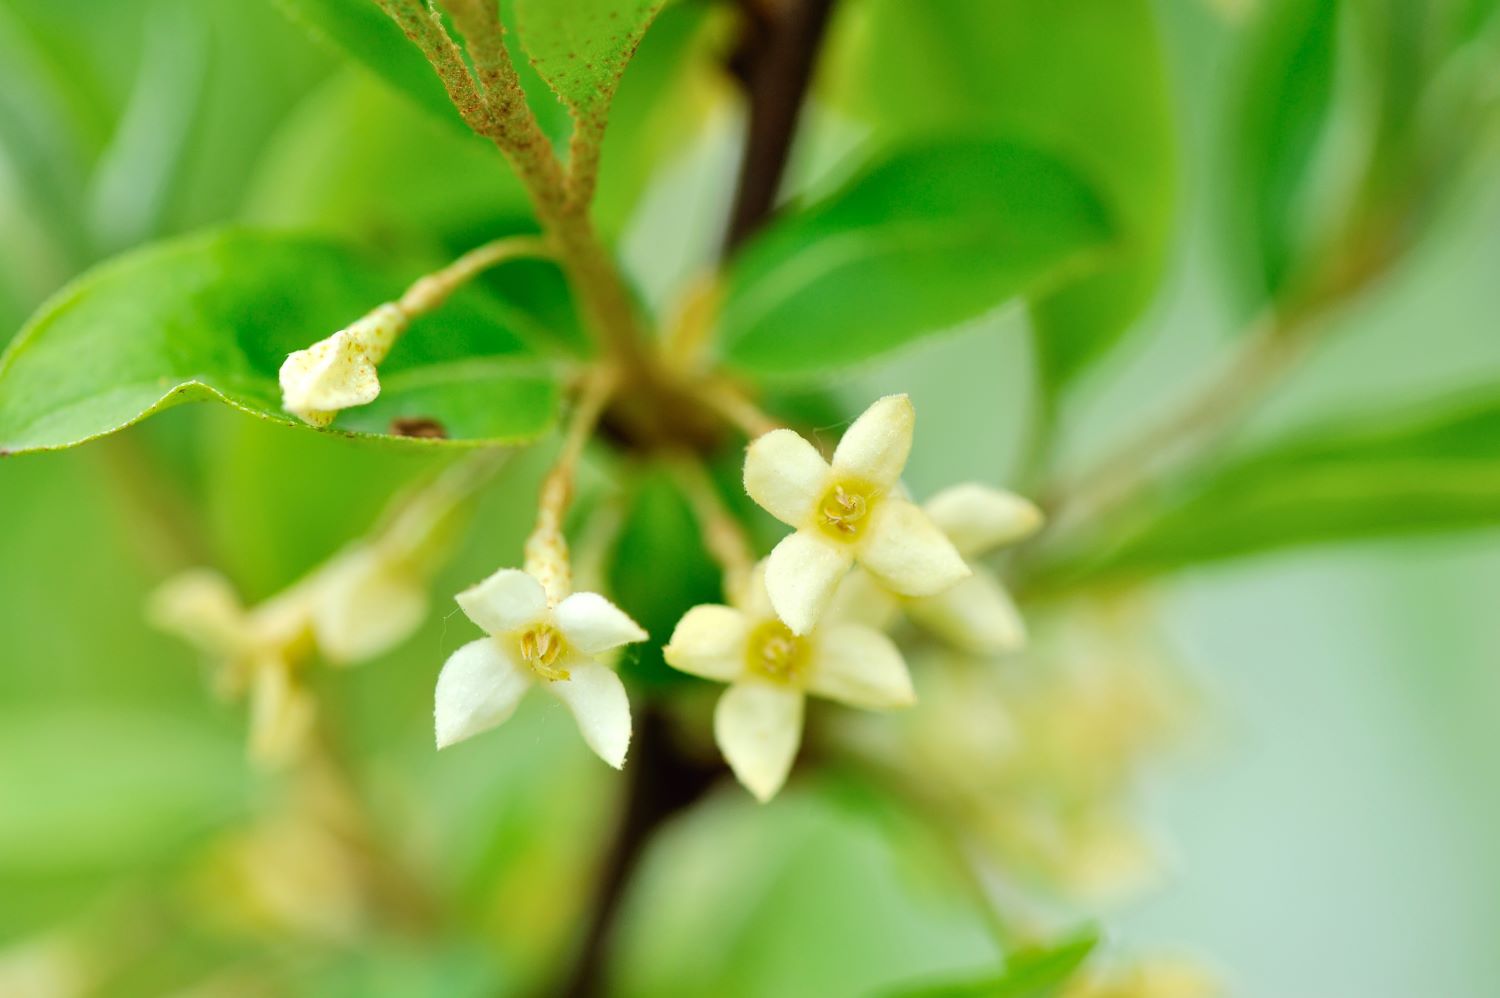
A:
660, 529
925, 239
366, 34
110, 787
1437, 471
581, 48
214, 315
1029, 973
1285, 100
673, 85
1012, 67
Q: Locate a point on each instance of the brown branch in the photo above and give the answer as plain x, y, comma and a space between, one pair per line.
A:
663, 782
776, 62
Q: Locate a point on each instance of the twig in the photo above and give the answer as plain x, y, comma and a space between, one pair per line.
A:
431, 290
663, 782
547, 548
723, 535
780, 71
1266, 353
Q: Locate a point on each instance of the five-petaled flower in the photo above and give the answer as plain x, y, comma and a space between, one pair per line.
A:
977, 615
339, 372
770, 669
531, 641
847, 512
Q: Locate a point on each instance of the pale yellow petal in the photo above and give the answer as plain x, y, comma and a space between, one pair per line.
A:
785, 475
506, 601
859, 599
478, 688
860, 667
801, 575
907, 553
709, 641
365, 606
281, 714
598, 702
979, 518
593, 625
976, 615
201, 607
758, 727
876, 446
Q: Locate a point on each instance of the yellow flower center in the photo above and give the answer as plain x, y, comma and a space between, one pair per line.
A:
844, 511
541, 647
774, 652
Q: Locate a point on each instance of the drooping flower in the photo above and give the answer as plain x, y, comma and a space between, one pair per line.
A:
529, 642
771, 669
339, 372
258, 651
845, 512
976, 615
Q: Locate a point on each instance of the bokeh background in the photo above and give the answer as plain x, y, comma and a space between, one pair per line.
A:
1326, 821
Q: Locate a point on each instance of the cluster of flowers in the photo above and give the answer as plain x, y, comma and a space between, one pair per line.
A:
800, 623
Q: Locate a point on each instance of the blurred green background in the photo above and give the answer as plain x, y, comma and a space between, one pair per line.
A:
1329, 822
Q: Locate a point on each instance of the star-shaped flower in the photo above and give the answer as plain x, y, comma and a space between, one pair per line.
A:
531, 641
977, 615
847, 512
339, 372
770, 669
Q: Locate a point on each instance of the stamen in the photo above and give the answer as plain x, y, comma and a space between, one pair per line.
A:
541, 646
774, 652
844, 511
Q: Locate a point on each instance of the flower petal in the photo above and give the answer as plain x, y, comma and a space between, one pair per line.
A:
801, 574
758, 727
709, 641
201, 607
875, 447
859, 599
860, 667
281, 714
478, 688
506, 601
977, 615
596, 697
593, 625
785, 475
330, 375
907, 553
364, 607
978, 518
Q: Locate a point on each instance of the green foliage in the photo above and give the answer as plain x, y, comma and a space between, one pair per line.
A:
659, 569
1028, 973
1012, 67
162, 783
213, 316
581, 48
922, 240
367, 35
802, 896
1285, 99
665, 96
1437, 471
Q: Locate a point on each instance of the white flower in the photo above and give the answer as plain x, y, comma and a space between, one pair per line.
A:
364, 602
530, 642
758, 721
977, 615
339, 372
847, 512
258, 651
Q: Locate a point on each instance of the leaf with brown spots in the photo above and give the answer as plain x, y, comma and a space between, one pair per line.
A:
581, 48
